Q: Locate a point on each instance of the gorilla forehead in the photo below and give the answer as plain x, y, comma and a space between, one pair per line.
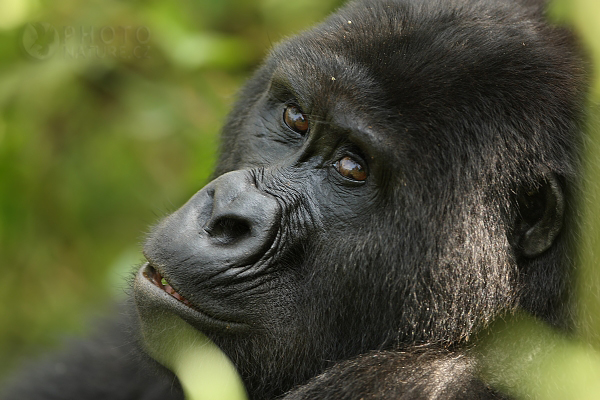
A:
497, 60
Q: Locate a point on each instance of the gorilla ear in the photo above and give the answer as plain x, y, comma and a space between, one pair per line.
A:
541, 212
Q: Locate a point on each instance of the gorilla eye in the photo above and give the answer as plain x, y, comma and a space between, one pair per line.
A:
351, 169
295, 119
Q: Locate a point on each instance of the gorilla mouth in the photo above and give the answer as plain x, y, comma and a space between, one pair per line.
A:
149, 299
157, 279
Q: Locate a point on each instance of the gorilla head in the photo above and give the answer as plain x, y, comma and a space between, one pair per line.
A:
398, 176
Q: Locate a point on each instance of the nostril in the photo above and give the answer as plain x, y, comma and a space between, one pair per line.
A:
228, 230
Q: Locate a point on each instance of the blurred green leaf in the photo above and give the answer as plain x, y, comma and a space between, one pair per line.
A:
528, 360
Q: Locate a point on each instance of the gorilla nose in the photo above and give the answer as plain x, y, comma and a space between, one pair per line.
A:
239, 211
229, 223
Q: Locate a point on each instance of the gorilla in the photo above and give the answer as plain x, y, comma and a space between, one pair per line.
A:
389, 183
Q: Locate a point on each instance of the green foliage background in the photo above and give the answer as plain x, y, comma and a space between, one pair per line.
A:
95, 149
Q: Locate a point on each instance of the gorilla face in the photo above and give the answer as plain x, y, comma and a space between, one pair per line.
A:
395, 176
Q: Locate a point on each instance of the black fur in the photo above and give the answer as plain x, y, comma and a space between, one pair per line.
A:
466, 116
109, 365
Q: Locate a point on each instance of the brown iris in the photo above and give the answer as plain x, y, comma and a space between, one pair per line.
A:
351, 169
295, 119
